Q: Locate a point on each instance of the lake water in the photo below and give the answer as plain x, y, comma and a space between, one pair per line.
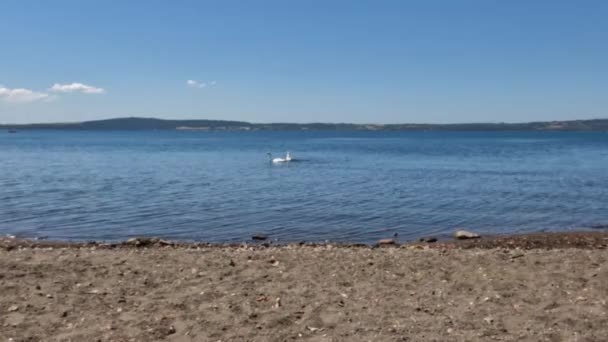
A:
349, 187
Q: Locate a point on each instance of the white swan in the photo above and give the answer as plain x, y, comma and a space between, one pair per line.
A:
280, 160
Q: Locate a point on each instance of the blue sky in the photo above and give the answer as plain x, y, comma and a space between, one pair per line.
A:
304, 61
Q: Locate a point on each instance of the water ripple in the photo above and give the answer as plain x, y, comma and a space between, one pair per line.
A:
355, 187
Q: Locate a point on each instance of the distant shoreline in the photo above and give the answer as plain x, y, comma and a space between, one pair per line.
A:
148, 124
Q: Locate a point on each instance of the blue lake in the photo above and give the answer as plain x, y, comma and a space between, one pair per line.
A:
345, 186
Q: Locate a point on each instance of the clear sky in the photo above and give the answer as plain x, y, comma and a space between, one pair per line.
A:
303, 61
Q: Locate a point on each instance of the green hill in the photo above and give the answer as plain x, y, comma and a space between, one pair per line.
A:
133, 123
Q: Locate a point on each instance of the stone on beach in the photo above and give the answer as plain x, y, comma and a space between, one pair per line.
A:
146, 241
463, 235
260, 237
386, 242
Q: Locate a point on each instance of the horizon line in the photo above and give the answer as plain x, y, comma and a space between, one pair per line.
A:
303, 123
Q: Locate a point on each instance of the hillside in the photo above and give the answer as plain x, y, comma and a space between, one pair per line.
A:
133, 123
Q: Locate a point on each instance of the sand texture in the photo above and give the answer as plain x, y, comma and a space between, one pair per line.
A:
303, 293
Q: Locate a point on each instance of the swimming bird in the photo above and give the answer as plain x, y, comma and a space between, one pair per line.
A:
280, 160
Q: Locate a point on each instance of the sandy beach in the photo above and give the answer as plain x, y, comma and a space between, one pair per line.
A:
544, 287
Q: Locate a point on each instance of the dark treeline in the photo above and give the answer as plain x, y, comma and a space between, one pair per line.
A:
160, 124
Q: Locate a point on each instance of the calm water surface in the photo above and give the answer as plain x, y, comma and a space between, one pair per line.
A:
355, 187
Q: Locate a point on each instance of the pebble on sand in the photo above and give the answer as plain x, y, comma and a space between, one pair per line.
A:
259, 237
146, 241
386, 242
463, 235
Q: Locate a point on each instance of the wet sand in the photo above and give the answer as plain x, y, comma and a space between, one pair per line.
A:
541, 287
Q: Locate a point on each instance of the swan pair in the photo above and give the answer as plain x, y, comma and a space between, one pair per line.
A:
280, 160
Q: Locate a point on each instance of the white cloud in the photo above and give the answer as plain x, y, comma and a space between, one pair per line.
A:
197, 84
76, 87
21, 95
